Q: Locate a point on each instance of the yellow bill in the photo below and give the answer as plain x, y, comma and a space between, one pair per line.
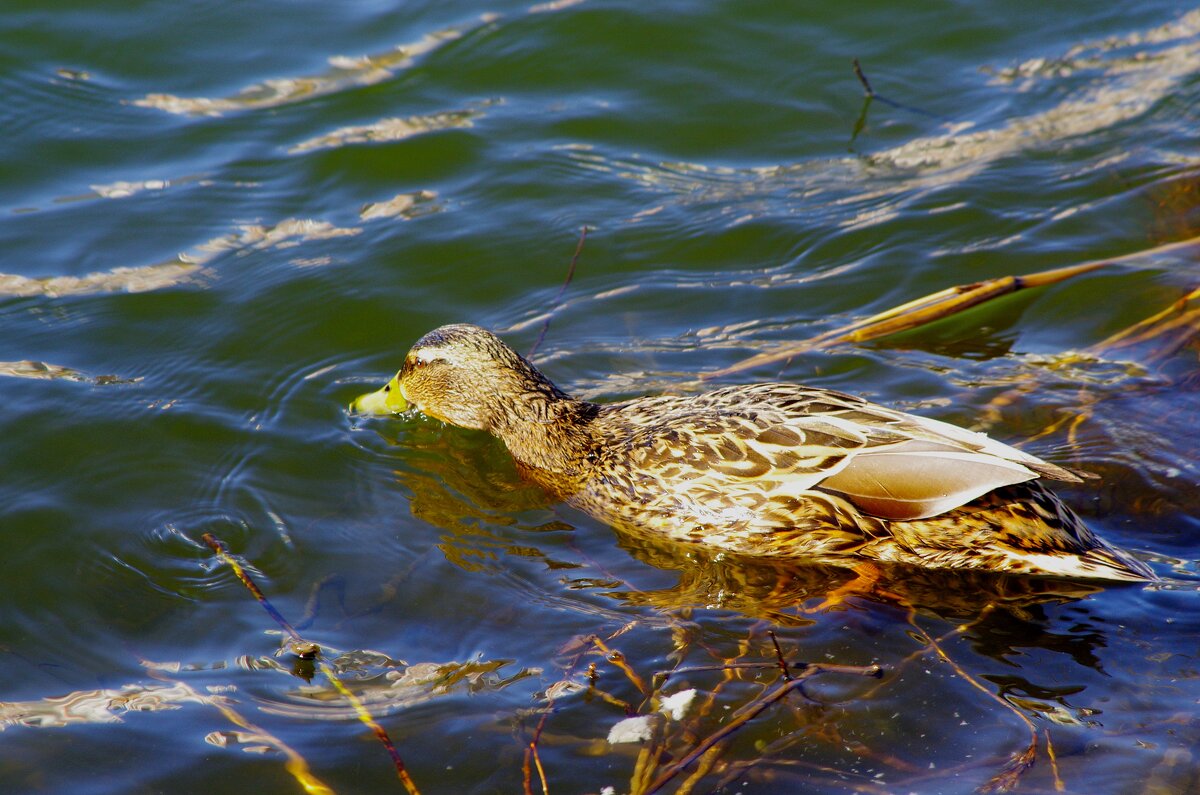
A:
387, 400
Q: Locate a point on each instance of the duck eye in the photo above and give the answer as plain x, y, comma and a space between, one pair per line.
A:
420, 361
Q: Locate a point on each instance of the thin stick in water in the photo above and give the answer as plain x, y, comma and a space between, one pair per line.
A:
561, 290
862, 78
308, 649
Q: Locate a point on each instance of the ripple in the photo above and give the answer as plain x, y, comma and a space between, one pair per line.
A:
390, 130
345, 72
74, 95
1127, 85
123, 279
384, 686
728, 211
296, 384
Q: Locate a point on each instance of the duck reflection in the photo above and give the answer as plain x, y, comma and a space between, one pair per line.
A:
773, 589
466, 485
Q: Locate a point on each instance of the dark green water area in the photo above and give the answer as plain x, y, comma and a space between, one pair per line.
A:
219, 222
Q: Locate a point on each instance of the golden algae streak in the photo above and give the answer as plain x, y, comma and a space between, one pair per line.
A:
186, 268
402, 206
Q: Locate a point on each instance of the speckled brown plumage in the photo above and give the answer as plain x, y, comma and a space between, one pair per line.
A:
776, 469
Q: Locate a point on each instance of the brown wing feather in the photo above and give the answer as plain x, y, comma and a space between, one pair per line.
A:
784, 439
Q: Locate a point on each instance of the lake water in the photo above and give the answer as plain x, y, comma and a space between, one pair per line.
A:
222, 221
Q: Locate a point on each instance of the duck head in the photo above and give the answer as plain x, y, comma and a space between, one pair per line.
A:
466, 376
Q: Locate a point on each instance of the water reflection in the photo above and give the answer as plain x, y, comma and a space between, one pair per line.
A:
381, 683
764, 588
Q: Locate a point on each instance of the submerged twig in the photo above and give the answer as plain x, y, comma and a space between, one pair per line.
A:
862, 78
1159, 336
618, 659
1010, 773
561, 290
861, 121
296, 765
310, 650
753, 710
661, 677
532, 757
1059, 786
783, 666
1179, 324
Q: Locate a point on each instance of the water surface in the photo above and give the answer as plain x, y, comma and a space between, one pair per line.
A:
220, 222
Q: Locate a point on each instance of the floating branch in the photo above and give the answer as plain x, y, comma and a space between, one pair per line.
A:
936, 306
914, 314
308, 650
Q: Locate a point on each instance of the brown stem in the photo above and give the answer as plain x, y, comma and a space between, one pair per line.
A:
558, 298
862, 78
783, 666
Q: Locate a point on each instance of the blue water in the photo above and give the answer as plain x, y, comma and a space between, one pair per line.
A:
220, 222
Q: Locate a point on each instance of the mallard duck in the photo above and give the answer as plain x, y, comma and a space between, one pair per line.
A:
773, 469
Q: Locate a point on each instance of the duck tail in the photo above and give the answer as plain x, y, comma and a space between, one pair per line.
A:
1108, 563
1077, 552
1101, 562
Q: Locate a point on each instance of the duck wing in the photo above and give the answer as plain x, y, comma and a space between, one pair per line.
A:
786, 439
917, 480
913, 467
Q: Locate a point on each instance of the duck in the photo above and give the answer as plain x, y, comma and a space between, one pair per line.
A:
775, 470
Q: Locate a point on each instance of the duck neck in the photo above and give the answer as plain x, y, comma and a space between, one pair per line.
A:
548, 430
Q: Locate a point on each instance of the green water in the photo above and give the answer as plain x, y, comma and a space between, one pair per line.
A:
221, 221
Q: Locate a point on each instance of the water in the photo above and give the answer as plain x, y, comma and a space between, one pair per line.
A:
220, 222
